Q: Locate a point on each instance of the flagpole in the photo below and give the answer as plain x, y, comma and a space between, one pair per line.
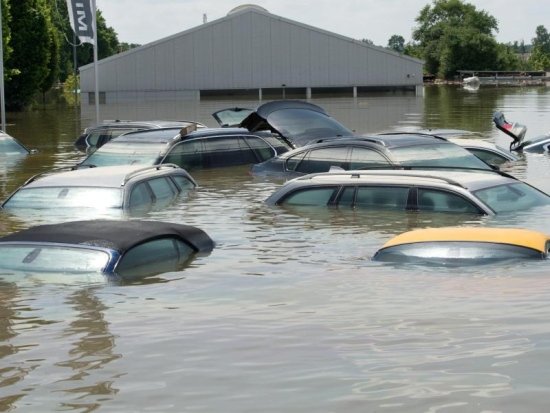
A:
3, 103
94, 14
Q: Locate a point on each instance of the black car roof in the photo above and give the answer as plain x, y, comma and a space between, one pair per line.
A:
168, 134
387, 140
117, 235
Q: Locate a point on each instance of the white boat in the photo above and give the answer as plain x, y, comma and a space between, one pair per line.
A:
472, 80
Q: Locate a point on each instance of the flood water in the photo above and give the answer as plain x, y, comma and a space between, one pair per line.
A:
288, 313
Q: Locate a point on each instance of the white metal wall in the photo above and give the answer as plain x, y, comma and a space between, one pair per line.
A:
252, 49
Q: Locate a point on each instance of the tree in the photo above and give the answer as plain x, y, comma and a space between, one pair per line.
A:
454, 35
540, 56
397, 43
6, 35
33, 60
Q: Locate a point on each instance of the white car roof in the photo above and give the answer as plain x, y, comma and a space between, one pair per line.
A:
471, 180
105, 177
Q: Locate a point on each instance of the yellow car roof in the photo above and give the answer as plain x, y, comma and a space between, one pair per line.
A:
511, 236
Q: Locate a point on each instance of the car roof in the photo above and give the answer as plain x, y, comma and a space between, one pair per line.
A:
512, 236
118, 123
164, 135
380, 141
105, 177
471, 180
113, 234
148, 135
402, 139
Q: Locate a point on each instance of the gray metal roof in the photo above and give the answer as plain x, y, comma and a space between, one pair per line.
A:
251, 48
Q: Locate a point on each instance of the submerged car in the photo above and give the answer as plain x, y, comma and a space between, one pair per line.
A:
127, 188
10, 146
398, 150
94, 137
466, 192
453, 246
517, 132
188, 148
125, 249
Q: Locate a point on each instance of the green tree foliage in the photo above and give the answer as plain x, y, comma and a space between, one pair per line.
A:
34, 57
540, 56
453, 35
397, 43
6, 38
508, 58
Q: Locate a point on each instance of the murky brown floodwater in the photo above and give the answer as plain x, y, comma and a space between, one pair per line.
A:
288, 313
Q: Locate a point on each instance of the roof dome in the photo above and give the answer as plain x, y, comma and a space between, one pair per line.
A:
246, 6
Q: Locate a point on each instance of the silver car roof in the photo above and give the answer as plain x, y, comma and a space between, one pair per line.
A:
470, 180
105, 177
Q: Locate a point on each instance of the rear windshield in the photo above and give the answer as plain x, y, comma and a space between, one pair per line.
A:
435, 155
126, 154
41, 258
65, 197
303, 125
445, 252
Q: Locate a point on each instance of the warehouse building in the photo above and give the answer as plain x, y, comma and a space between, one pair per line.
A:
249, 51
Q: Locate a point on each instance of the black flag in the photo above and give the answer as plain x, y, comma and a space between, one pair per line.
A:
81, 14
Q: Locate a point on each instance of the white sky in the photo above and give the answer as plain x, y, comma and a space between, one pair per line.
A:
144, 21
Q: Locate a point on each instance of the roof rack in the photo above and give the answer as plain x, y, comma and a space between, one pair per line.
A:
49, 172
146, 169
403, 172
433, 135
186, 130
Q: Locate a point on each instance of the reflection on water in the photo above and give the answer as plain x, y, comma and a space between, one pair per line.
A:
288, 313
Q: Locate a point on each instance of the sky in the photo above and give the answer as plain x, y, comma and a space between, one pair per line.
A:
144, 21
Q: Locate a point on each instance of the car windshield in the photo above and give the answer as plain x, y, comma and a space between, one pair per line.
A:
10, 147
512, 197
303, 125
66, 197
125, 154
51, 258
437, 155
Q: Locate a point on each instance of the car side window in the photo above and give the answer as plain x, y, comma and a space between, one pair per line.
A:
320, 160
261, 149
442, 201
347, 197
182, 182
367, 158
187, 154
160, 255
140, 197
293, 161
163, 189
227, 151
310, 196
382, 197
